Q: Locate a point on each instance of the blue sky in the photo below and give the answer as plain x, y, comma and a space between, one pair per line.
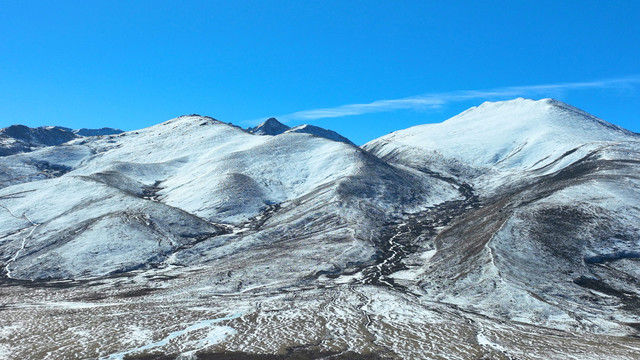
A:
132, 64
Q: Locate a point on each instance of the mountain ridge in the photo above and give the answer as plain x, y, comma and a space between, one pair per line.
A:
511, 224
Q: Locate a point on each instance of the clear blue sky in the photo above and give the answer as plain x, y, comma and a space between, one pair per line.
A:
132, 64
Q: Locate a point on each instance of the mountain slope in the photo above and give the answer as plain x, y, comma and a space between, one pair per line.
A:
558, 251
42, 163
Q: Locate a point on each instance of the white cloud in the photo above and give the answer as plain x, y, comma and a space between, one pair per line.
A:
436, 100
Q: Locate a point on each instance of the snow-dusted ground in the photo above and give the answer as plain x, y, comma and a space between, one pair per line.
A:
509, 231
185, 320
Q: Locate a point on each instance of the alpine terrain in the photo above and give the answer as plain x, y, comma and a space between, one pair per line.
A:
510, 231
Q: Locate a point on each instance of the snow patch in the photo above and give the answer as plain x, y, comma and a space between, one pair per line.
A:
215, 335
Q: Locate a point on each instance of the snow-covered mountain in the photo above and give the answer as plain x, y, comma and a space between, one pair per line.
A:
17, 139
555, 226
508, 231
501, 141
164, 197
273, 127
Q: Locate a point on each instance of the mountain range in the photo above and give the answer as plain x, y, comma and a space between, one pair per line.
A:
17, 139
508, 231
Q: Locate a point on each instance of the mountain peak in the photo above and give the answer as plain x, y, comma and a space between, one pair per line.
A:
270, 127
517, 134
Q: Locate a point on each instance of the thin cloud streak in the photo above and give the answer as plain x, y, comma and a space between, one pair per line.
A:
438, 100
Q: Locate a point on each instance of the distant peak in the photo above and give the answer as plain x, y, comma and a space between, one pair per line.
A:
273, 122
270, 127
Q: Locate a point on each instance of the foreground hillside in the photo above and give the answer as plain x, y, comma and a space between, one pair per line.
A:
508, 231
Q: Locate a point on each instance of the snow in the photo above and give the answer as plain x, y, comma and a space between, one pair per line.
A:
240, 182
111, 229
273, 127
5, 351
22, 247
213, 336
415, 273
483, 340
69, 305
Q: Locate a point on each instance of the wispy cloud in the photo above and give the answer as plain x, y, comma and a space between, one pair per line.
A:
438, 100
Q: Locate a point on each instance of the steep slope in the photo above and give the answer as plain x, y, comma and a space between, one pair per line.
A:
560, 251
